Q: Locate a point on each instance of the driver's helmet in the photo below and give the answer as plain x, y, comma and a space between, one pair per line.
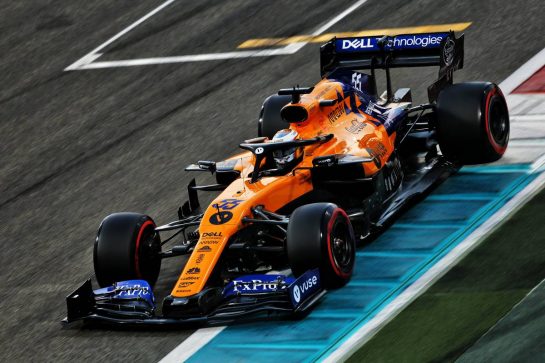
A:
287, 157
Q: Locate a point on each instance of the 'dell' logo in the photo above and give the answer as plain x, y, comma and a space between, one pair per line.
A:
357, 43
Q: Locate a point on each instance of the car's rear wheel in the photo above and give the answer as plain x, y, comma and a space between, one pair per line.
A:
269, 118
320, 235
127, 248
472, 122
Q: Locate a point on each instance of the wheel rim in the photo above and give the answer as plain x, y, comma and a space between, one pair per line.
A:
341, 246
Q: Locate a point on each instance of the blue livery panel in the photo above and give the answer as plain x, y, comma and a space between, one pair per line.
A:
257, 284
131, 290
304, 287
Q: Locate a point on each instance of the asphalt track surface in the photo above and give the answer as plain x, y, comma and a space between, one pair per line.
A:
76, 146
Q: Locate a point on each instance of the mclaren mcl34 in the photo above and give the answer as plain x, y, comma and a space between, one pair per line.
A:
331, 166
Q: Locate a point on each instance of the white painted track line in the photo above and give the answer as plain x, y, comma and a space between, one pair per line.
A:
538, 164
338, 18
191, 345
187, 58
83, 61
527, 143
92, 55
527, 118
88, 61
523, 73
297, 46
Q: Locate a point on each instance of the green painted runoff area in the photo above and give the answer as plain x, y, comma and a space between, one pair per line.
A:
518, 337
448, 319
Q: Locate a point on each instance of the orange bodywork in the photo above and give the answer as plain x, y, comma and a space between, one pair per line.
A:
354, 134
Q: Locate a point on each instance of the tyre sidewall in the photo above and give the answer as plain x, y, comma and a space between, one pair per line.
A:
338, 275
270, 120
117, 254
463, 122
310, 245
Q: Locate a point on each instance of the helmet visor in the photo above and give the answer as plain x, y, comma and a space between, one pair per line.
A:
280, 154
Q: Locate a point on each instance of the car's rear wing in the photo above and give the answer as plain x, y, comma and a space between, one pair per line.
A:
408, 50
405, 50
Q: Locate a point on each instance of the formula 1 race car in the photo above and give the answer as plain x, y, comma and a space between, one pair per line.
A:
332, 165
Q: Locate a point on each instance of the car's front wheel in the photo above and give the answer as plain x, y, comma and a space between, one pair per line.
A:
127, 248
320, 235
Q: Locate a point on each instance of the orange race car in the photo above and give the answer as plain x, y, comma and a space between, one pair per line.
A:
332, 164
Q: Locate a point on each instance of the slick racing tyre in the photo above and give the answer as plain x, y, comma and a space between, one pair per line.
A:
472, 122
269, 118
320, 235
127, 248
